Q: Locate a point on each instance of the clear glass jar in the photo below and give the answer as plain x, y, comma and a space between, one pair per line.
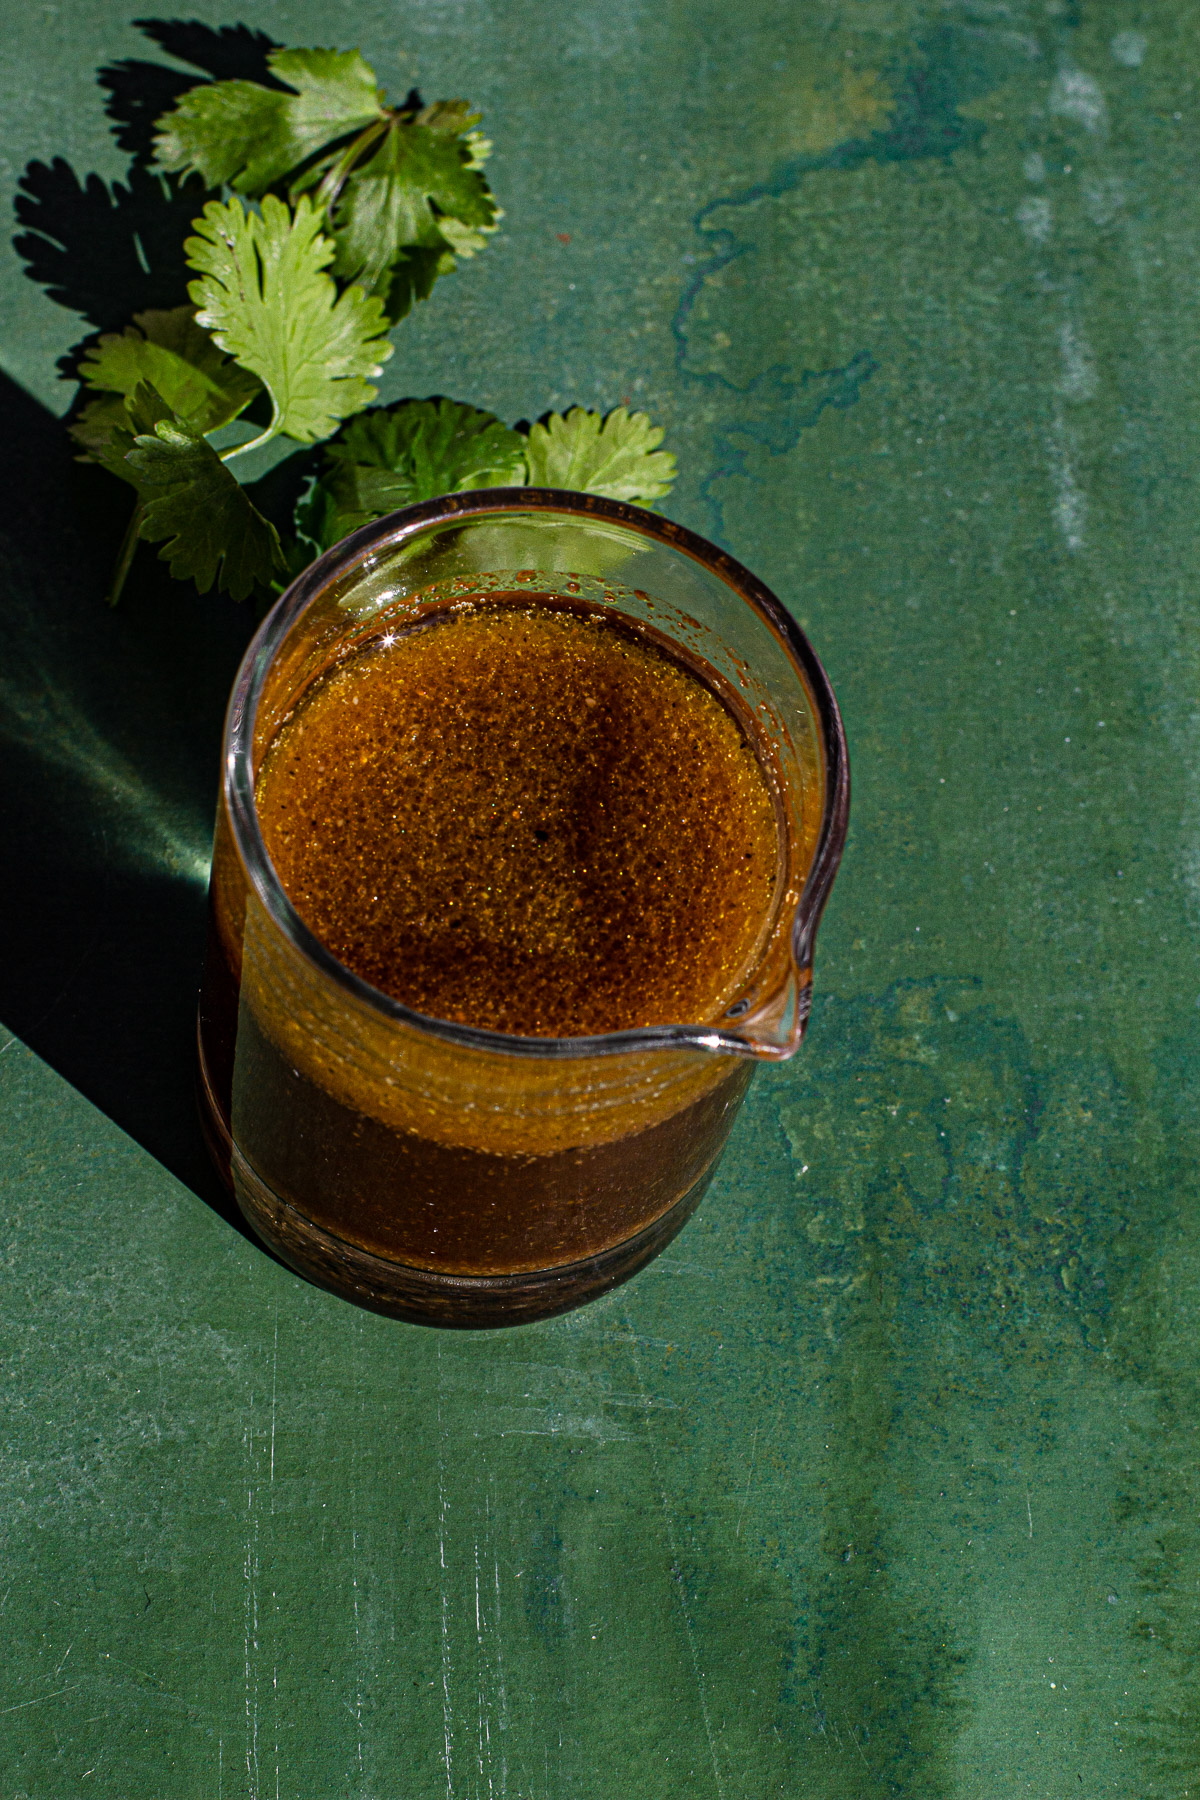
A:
463, 1177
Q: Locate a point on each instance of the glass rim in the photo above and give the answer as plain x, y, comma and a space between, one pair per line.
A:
364, 547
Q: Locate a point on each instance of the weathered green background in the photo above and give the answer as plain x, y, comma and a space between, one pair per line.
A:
884, 1480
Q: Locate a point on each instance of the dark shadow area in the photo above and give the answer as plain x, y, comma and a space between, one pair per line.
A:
108, 250
225, 53
110, 724
110, 721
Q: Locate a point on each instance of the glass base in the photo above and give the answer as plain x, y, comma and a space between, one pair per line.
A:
425, 1296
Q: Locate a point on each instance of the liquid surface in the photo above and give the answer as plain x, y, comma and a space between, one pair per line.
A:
525, 818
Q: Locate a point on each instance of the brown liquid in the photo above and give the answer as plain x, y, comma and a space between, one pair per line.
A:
526, 817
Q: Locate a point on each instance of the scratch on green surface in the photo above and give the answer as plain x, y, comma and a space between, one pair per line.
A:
880, 1675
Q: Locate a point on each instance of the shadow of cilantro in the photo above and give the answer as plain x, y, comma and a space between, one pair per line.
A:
110, 726
109, 249
105, 251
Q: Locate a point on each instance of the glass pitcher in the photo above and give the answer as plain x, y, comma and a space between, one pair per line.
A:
463, 1177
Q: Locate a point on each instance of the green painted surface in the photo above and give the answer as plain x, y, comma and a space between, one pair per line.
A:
884, 1480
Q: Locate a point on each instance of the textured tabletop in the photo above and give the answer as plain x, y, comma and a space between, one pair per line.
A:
883, 1480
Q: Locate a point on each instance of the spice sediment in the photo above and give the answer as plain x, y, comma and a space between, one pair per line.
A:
525, 816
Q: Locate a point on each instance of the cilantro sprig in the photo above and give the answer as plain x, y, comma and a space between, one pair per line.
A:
190, 499
400, 188
418, 449
618, 455
172, 353
265, 296
339, 210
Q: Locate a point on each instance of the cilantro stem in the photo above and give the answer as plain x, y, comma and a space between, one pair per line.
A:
256, 443
335, 177
124, 562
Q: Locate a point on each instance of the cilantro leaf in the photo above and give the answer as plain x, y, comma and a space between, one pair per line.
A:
405, 196
108, 427
419, 199
147, 409
179, 360
319, 524
617, 456
251, 137
104, 432
208, 525
265, 297
401, 454
411, 278
419, 449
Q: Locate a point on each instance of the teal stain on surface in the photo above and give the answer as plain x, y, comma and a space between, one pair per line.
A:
794, 407
946, 1276
951, 1318
989, 1182
951, 67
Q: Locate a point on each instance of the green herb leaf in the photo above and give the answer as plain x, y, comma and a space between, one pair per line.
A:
419, 449
212, 530
411, 279
265, 297
401, 454
104, 432
318, 526
617, 456
405, 195
419, 197
147, 409
179, 360
251, 137
108, 427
